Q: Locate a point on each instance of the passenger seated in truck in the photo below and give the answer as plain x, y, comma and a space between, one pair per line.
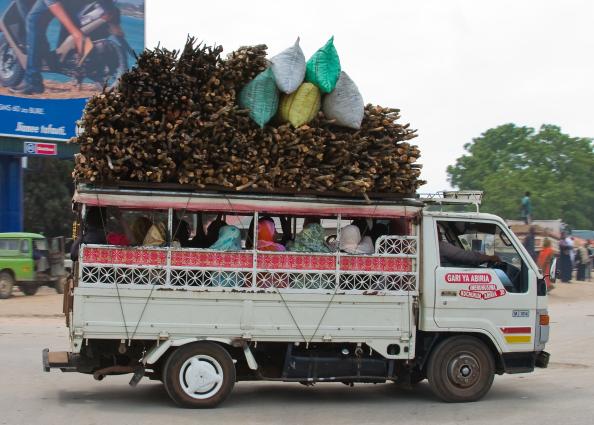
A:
229, 239
139, 228
204, 239
93, 231
181, 233
352, 243
378, 230
284, 238
310, 239
266, 234
156, 235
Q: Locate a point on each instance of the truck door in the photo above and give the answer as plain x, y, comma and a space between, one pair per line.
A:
496, 297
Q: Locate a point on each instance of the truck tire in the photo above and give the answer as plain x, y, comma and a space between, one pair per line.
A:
461, 369
29, 289
6, 284
59, 285
199, 375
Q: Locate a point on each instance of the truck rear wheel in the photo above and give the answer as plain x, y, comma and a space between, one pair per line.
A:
6, 284
461, 369
199, 375
29, 289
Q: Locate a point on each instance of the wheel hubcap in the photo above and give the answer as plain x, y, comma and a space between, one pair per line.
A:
464, 370
201, 376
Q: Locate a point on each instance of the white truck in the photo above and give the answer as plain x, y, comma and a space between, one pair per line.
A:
200, 320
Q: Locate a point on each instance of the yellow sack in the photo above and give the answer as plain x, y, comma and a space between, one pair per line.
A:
301, 106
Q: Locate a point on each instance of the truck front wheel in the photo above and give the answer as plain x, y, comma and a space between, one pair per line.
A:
6, 284
461, 369
199, 375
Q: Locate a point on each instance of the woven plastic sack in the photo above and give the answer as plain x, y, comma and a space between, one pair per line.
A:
323, 68
301, 106
260, 96
345, 103
288, 68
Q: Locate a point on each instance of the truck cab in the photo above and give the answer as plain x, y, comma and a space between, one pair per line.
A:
502, 303
201, 318
29, 260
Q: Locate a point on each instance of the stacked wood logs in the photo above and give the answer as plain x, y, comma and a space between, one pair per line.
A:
174, 118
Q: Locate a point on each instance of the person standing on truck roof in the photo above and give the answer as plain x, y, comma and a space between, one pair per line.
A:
527, 208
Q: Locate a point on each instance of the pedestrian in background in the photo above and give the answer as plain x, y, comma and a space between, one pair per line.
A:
527, 208
590, 249
565, 250
545, 258
582, 260
529, 242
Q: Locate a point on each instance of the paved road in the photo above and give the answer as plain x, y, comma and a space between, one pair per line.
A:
562, 394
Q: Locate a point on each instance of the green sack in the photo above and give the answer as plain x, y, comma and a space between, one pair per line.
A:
323, 68
260, 96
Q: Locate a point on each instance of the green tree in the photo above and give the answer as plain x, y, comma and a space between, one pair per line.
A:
506, 161
48, 190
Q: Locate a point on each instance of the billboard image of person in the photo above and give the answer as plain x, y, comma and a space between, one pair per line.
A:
55, 54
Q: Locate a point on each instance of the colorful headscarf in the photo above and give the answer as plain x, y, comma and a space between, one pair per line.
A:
310, 239
229, 239
266, 231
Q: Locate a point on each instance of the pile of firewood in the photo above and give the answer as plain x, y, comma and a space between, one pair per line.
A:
174, 118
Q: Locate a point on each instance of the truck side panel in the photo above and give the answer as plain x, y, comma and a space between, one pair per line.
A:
378, 321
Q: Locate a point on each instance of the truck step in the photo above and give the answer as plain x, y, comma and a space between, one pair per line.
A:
63, 360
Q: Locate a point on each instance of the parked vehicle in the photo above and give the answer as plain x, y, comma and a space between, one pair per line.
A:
29, 260
200, 320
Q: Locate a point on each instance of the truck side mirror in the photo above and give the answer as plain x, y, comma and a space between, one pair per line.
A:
553, 271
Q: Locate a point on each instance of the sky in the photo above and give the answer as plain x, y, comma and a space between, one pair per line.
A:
454, 68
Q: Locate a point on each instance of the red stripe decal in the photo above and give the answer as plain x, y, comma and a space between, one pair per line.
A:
518, 330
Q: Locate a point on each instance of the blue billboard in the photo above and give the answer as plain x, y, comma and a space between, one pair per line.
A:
55, 54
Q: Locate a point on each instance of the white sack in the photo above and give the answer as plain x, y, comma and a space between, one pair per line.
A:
288, 68
345, 103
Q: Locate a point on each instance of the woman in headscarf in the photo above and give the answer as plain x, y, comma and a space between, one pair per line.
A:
266, 232
310, 239
229, 240
139, 228
565, 251
545, 258
351, 242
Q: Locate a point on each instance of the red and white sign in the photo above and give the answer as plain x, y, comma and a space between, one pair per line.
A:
468, 278
482, 295
37, 148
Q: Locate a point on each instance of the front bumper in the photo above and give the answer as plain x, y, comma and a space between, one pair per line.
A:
525, 362
542, 359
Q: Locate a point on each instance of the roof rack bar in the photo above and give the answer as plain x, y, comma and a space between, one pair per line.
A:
453, 197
